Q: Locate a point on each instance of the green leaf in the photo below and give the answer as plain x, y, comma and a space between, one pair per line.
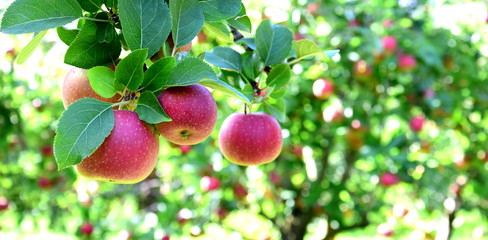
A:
81, 130
218, 10
187, 21
129, 71
26, 16
273, 42
149, 109
277, 108
225, 57
102, 80
111, 3
220, 30
86, 52
190, 71
249, 42
105, 32
305, 48
251, 65
277, 93
27, 51
279, 76
158, 73
90, 5
67, 35
225, 88
241, 21
145, 23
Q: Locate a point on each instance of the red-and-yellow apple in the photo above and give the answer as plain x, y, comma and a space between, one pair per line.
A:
127, 155
333, 113
250, 139
76, 86
362, 69
389, 179
389, 44
323, 88
193, 112
416, 123
407, 62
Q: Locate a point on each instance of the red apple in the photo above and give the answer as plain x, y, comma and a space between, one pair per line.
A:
333, 113
184, 149
384, 230
388, 23
407, 63
193, 111
362, 69
250, 139
240, 192
313, 7
44, 183
416, 123
183, 216
275, 178
3, 203
323, 88
47, 151
128, 154
354, 23
399, 210
389, 44
165, 237
86, 229
389, 179
209, 183
222, 212
76, 86
297, 150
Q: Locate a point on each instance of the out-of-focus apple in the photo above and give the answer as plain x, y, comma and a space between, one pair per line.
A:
86, 229
298, 36
388, 23
165, 237
362, 69
416, 123
184, 149
209, 183
389, 44
354, 23
323, 88
384, 230
183, 216
240, 192
407, 63
333, 113
389, 179
3, 203
222, 213
399, 210
297, 150
429, 93
45, 183
313, 7
275, 178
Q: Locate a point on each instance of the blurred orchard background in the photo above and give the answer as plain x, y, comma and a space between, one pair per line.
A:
353, 166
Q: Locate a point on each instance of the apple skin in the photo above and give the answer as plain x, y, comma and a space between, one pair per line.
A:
194, 113
389, 44
250, 139
45, 183
332, 113
86, 229
389, 179
128, 155
416, 124
3, 203
407, 63
165, 237
209, 183
323, 88
240, 192
76, 86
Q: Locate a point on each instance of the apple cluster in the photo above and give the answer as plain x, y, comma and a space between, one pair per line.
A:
130, 152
